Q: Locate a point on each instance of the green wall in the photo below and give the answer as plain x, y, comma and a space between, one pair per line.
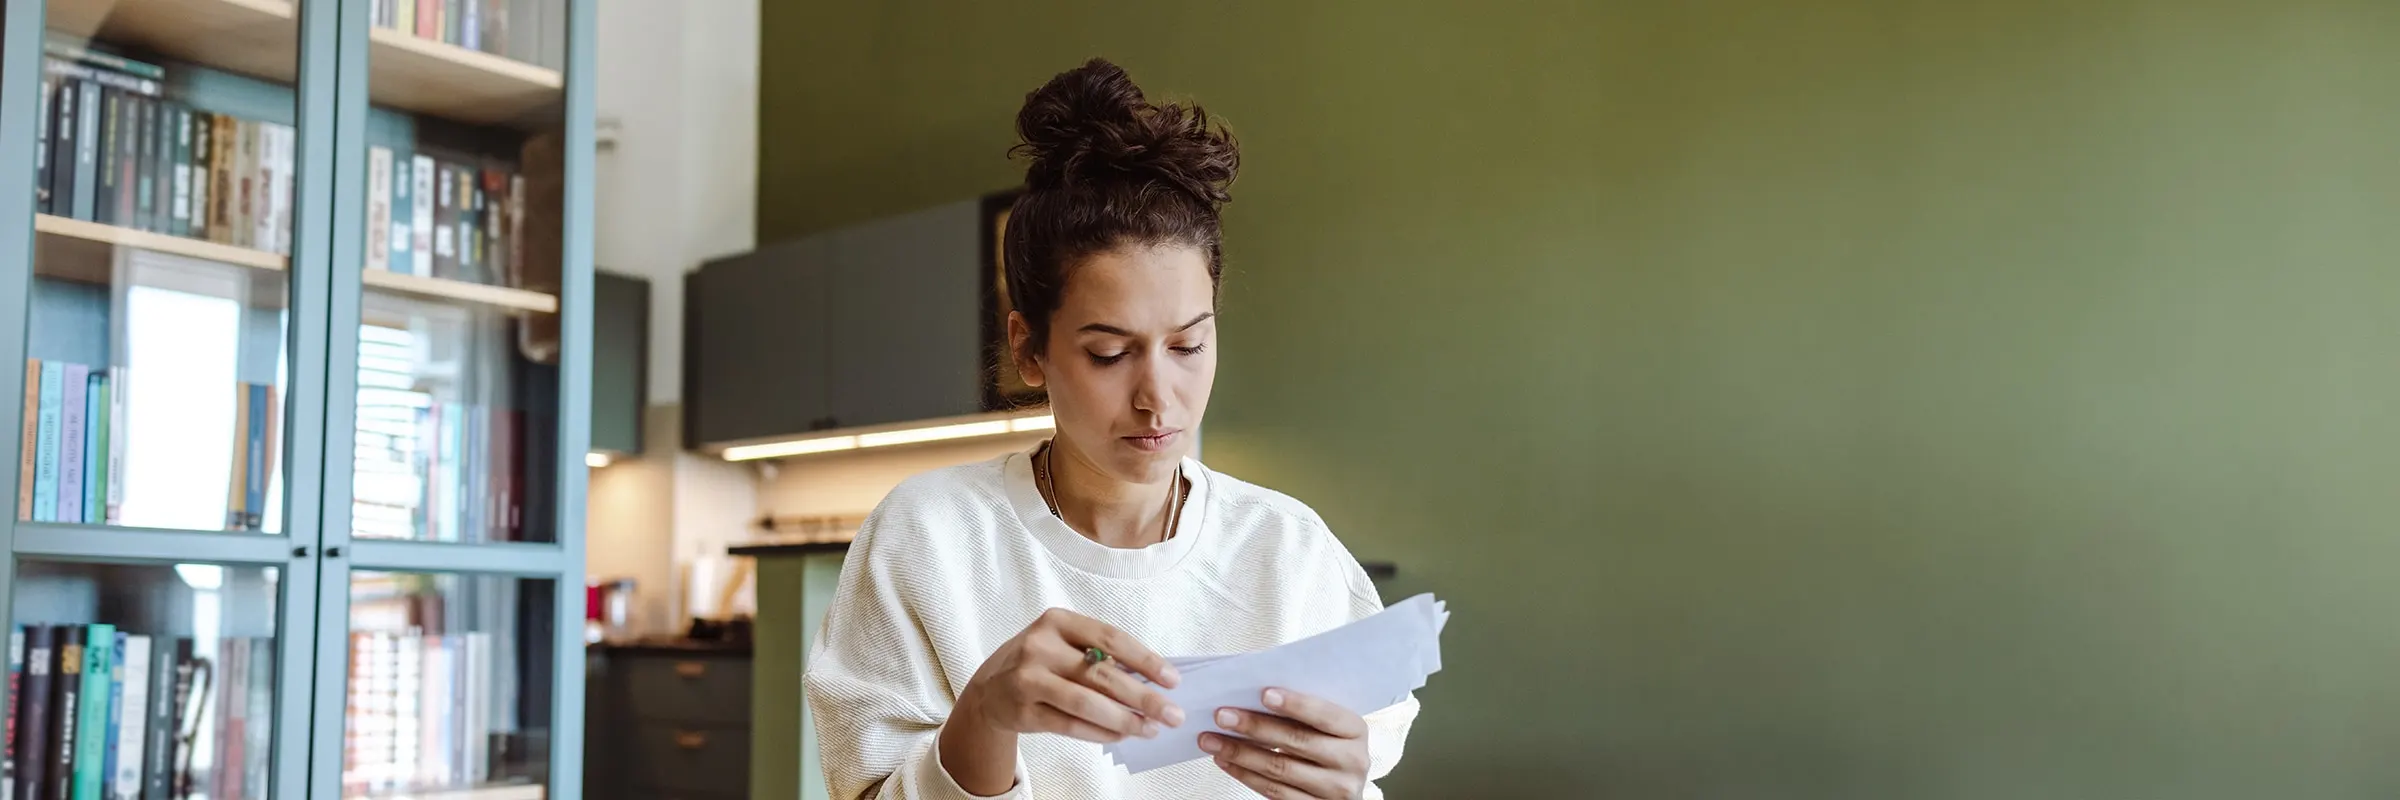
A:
1877, 400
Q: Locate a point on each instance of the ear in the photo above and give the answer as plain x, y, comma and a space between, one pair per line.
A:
1029, 367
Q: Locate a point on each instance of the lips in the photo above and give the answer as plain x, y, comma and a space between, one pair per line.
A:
1152, 440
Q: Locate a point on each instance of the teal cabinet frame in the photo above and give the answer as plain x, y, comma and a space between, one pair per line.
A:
314, 552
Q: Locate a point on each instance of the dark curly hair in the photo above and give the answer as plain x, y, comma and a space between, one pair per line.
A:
1109, 169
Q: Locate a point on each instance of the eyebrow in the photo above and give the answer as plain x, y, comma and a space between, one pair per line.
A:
1112, 330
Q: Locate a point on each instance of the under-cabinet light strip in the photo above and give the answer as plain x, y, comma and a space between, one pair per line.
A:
857, 441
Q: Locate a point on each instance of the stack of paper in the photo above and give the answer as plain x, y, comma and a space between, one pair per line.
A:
1364, 666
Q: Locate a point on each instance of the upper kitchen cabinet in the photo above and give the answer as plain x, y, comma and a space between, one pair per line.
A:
867, 325
620, 365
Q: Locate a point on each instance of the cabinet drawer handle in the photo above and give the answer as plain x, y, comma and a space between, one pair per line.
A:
690, 669
691, 740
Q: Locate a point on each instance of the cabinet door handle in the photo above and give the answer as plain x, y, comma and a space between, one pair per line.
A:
691, 740
690, 669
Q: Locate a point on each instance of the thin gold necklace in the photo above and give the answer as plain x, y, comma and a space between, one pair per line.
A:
1041, 472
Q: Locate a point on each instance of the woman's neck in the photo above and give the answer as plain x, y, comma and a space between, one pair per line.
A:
1104, 509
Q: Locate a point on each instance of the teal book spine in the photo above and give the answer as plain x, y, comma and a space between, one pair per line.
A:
91, 723
95, 451
45, 467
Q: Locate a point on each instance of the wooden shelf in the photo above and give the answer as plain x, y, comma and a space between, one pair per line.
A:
76, 250
262, 38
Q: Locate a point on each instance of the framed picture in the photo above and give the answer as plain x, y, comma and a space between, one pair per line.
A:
1003, 388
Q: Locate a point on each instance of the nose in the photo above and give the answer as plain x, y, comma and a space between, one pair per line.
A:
1150, 393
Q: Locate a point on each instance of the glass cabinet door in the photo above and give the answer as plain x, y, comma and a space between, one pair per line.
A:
449, 306
167, 205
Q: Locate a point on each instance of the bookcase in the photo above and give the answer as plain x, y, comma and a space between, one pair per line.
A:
300, 296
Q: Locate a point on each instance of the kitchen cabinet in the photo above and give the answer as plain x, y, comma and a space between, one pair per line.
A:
620, 361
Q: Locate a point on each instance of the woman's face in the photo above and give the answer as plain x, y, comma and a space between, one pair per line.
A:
1131, 359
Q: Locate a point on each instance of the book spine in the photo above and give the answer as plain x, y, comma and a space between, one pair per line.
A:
112, 111
113, 496
222, 188
262, 189
179, 220
158, 756
65, 714
403, 234
199, 169
495, 27
470, 25
95, 446
87, 149
129, 162
41, 153
114, 731
260, 728
64, 147
145, 164
45, 475
470, 227
28, 453
194, 679
516, 230
133, 719
245, 172
445, 222
429, 19
281, 187
235, 493
16, 689
404, 16
33, 712
450, 26
379, 208
254, 486
91, 723
233, 695
74, 386
498, 266
268, 451
422, 198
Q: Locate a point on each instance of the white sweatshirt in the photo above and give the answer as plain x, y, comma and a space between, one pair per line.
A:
957, 561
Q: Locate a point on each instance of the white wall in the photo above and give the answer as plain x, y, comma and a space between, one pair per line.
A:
678, 83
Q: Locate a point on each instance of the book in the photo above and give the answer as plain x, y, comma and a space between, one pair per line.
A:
450, 21
179, 215
254, 485
404, 16
145, 164
32, 718
78, 52
113, 496
74, 385
498, 267
379, 208
279, 186
422, 198
221, 185
495, 27
95, 447
27, 452
403, 236
133, 719
245, 177
233, 697
63, 147
158, 752
91, 722
87, 108
113, 733
470, 24
194, 678
516, 231
41, 146
445, 221
66, 688
198, 168
45, 474
470, 226
16, 685
429, 19
259, 729
128, 164
263, 177
236, 494
112, 110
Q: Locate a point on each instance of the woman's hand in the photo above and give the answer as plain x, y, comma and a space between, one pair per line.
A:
1041, 682
1315, 749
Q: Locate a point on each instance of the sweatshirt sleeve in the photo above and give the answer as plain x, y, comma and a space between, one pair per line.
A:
1387, 730
876, 694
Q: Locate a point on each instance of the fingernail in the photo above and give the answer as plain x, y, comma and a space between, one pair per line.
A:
1274, 698
1170, 674
1173, 716
1210, 744
1227, 719
1149, 730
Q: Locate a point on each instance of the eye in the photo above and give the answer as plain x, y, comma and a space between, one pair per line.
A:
1190, 351
1106, 360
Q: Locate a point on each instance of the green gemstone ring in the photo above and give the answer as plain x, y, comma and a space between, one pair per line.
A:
1094, 655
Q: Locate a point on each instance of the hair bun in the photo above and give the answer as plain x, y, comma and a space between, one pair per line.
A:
1091, 125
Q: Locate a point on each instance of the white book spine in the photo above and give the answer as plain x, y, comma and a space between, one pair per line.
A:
116, 443
421, 196
379, 208
133, 721
286, 142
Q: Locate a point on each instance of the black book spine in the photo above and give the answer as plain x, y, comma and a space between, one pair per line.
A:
63, 151
33, 711
158, 749
66, 688
16, 686
41, 145
87, 147
104, 204
145, 164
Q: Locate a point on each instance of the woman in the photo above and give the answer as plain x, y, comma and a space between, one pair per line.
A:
992, 619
